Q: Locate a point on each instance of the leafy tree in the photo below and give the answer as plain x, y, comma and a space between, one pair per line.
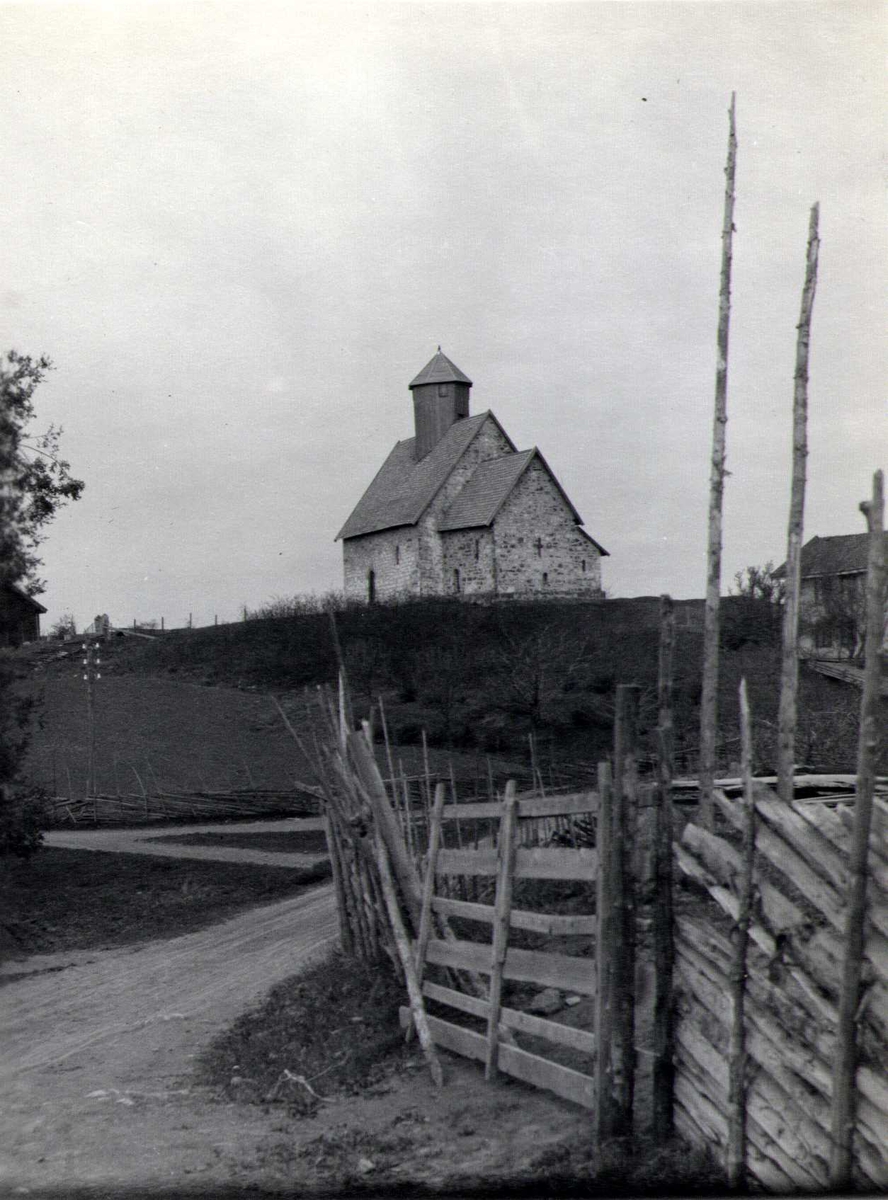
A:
34, 483
64, 627
754, 612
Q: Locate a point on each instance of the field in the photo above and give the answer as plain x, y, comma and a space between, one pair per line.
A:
84, 900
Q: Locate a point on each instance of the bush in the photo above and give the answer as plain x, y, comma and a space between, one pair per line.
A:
22, 817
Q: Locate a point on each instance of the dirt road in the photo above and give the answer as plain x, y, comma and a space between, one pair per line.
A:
144, 840
97, 1050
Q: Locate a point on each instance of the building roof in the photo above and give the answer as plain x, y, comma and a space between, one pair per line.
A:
440, 370
403, 489
486, 491
491, 484
844, 554
23, 595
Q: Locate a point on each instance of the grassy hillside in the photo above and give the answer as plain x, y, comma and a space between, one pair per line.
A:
478, 679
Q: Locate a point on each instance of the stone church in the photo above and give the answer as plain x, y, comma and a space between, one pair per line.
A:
457, 510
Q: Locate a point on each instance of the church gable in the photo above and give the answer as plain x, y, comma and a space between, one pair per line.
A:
540, 546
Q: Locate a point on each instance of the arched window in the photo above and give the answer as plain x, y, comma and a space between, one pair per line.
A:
584, 566
371, 586
397, 554
456, 584
477, 549
545, 578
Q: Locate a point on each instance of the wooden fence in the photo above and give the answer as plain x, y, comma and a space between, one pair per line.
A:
509, 861
791, 991
148, 807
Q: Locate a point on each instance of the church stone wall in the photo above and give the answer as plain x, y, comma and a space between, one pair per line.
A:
435, 576
392, 556
539, 549
470, 553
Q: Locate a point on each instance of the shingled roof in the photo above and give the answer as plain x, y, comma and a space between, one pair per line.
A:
844, 554
403, 489
486, 492
440, 370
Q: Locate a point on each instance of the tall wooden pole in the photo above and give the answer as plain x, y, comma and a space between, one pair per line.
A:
625, 824
709, 697
736, 1155
843, 1114
789, 672
606, 949
663, 1072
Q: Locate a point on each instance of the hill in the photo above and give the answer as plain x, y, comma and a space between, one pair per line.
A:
190, 708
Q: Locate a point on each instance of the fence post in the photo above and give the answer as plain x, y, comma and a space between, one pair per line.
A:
663, 933
843, 1115
625, 824
606, 939
789, 667
502, 912
736, 1157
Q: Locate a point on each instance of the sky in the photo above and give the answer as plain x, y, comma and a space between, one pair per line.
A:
239, 231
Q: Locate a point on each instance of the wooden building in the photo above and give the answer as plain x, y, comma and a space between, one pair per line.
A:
832, 596
19, 616
458, 510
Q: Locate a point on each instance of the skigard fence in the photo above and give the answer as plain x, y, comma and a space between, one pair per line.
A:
791, 992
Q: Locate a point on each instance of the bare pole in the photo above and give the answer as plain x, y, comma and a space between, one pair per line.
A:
709, 697
842, 1117
789, 671
663, 1071
736, 1156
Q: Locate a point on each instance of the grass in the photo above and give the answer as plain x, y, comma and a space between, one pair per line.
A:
290, 841
83, 900
335, 1025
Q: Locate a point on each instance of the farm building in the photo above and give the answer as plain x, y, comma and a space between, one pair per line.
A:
19, 616
457, 510
831, 599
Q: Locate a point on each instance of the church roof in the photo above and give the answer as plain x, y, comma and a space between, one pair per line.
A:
486, 491
440, 370
403, 489
491, 484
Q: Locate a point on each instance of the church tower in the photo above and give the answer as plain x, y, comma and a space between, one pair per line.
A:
440, 399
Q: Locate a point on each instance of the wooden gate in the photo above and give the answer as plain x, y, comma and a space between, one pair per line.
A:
507, 859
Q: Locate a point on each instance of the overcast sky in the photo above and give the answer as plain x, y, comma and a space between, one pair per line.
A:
239, 230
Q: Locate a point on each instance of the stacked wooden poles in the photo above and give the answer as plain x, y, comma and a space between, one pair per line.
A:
709, 696
842, 1116
789, 670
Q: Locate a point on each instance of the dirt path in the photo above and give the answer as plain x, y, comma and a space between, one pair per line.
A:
141, 841
95, 1056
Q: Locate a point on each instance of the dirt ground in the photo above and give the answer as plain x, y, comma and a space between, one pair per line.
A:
96, 1086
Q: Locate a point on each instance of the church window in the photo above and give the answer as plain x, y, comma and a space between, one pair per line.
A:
583, 564
456, 580
371, 587
397, 554
477, 549
545, 578
442, 389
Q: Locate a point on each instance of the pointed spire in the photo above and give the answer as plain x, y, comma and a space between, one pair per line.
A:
440, 370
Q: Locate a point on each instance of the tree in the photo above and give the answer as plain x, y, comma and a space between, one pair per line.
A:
755, 611
34, 483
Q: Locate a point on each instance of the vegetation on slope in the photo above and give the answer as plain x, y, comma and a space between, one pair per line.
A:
481, 678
